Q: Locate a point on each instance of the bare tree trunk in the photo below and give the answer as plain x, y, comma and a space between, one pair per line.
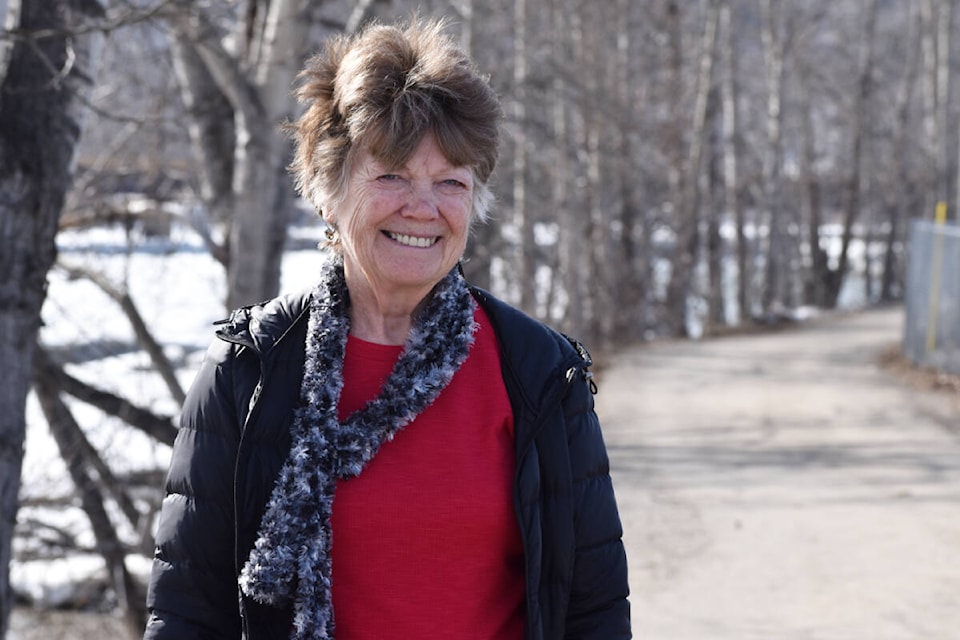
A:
689, 193
932, 99
483, 245
632, 272
818, 278
944, 22
484, 240
674, 309
716, 251
773, 46
852, 196
40, 123
947, 19
900, 210
597, 239
258, 91
569, 221
732, 152
522, 215
211, 130
570, 123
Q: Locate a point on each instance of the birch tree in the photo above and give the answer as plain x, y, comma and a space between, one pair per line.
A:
774, 48
689, 188
523, 219
732, 149
572, 272
597, 108
242, 156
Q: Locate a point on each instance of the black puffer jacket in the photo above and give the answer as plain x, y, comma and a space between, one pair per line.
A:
235, 436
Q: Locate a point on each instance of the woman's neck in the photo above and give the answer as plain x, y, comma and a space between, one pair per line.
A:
378, 327
381, 317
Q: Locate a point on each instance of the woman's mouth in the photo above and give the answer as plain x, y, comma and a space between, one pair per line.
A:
412, 241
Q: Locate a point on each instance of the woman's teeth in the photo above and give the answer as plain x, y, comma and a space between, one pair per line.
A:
412, 241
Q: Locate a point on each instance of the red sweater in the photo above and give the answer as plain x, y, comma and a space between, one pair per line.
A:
425, 540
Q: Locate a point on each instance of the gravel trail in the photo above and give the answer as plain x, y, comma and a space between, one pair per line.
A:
784, 486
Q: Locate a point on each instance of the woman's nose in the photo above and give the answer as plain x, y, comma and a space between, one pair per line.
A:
421, 202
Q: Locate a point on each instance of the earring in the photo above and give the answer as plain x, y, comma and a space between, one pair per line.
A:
330, 233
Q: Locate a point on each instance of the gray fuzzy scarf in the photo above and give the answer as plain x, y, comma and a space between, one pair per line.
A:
291, 558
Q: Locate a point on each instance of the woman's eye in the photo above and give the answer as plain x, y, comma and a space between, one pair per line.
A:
389, 177
454, 183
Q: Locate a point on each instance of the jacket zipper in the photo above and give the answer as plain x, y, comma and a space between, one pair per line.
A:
253, 408
558, 389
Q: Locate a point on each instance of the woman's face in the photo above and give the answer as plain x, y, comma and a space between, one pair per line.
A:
403, 229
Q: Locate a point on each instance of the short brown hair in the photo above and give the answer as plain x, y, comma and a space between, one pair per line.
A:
382, 90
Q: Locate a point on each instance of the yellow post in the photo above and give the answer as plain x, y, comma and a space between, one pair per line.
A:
933, 311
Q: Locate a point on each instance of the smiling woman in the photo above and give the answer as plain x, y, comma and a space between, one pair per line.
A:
473, 496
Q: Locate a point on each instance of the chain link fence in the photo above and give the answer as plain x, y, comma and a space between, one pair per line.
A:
931, 335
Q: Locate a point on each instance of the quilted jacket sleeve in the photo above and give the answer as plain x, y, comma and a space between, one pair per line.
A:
598, 607
193, 589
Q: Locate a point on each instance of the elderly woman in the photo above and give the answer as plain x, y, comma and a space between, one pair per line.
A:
393, 454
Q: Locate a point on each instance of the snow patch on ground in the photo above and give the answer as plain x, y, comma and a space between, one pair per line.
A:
179, 290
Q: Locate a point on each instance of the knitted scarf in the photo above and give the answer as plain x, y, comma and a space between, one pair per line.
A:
291, 557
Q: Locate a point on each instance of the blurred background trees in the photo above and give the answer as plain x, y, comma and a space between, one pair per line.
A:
700, 163
668, 169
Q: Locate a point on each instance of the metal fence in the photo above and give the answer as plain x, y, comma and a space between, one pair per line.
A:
931, 336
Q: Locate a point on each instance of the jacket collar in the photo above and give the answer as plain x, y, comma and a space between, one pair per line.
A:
261, 326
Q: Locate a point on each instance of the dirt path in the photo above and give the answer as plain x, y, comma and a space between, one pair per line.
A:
785, 487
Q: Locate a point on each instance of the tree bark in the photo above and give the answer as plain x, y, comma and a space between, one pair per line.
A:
40, 124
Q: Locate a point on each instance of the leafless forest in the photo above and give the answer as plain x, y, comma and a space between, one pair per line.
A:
668, 168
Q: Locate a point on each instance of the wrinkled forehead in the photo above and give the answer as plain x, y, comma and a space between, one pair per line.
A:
427, 155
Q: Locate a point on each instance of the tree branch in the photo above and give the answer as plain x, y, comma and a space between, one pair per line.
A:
144, 338
79, 456
196, 31
161, 428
